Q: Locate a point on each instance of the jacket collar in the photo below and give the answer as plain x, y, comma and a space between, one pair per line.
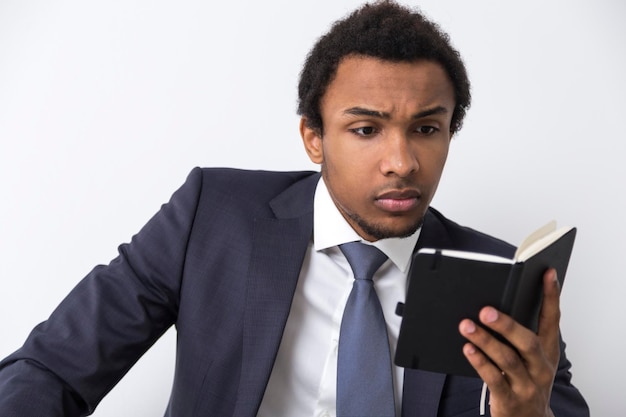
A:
278, 248
422, 390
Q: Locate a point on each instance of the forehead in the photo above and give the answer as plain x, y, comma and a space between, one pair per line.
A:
388, 86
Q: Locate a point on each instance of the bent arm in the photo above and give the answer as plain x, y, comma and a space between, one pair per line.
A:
566, 400
69, 362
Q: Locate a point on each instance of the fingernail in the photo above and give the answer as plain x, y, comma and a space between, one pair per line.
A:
490, 315
469, 327
469, 349
553, 279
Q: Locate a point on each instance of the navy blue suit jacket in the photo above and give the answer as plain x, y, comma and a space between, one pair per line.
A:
220, 261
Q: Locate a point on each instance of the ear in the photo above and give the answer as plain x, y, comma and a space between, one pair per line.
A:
312, 142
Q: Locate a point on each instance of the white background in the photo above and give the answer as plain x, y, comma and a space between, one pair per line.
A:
105, 107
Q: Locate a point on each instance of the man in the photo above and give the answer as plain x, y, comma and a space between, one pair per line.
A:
250, 269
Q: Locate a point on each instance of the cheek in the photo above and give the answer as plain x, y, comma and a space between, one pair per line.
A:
432, 160
347, 179
438, 161
348, 165
344, 177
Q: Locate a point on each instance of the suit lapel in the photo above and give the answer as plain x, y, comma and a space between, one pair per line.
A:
421, 393
278, 249
433, 234
422, 390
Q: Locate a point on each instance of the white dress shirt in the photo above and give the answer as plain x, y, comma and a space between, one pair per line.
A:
304, 378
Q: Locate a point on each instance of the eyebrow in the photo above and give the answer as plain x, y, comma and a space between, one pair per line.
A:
361, 111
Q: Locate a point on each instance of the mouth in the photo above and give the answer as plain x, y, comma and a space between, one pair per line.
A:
398, 201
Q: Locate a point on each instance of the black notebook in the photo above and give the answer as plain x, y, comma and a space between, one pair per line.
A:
446, 286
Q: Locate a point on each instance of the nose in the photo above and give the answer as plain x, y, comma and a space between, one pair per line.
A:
397, 157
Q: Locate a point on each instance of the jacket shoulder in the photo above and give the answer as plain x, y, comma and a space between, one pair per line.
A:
248, 182
251, 192
468, 239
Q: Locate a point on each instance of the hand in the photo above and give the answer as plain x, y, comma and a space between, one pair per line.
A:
520, 383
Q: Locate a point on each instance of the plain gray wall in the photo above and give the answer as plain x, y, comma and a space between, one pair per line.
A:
106, 106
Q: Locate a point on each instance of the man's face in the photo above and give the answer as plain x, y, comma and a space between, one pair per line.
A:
385, 142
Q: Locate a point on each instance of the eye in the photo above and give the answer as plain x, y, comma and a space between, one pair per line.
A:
426, 130
364, 131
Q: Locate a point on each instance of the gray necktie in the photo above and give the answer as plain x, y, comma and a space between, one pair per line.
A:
364, 375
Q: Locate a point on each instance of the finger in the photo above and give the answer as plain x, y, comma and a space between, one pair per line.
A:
486, 370
494, 357
538, 354
516, 334
550, 315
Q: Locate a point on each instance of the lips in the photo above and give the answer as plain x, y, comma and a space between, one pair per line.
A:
398, 201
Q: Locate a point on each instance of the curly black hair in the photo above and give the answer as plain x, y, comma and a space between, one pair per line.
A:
387, 31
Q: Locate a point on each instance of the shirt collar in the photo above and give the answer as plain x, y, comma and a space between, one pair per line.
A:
331, 229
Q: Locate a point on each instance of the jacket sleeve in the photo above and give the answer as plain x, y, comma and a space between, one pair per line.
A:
566, 400
69, 362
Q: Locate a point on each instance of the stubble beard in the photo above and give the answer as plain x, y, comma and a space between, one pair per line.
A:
379, 231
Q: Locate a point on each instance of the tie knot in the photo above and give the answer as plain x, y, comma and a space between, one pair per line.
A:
363, 259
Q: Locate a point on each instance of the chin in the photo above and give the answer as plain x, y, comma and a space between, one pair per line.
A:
379, 231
